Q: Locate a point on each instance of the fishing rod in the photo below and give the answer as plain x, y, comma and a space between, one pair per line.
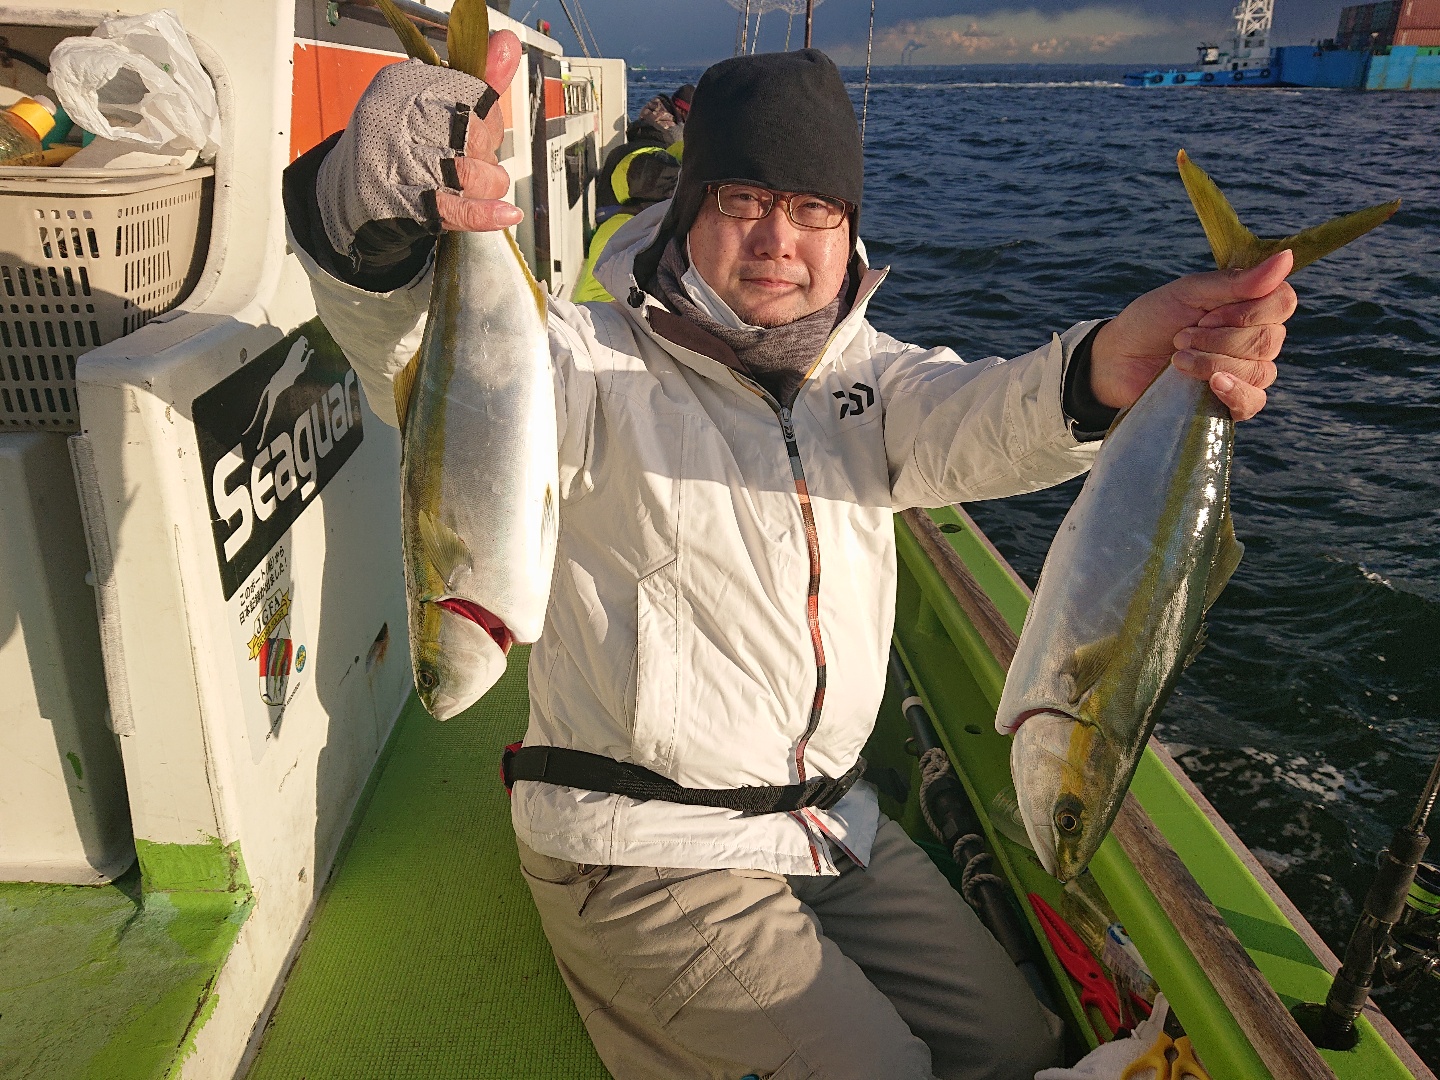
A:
947, 810
1396, 941
869, 45
574, 26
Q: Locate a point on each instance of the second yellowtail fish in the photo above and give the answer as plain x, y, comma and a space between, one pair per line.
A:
1144, 551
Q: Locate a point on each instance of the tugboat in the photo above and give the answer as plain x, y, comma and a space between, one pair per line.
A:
1246, 62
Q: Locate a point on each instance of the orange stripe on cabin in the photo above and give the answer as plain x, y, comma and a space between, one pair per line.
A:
329, 80
554, 99
507, 107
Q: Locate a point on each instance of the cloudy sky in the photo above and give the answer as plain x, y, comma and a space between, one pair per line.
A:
674, 32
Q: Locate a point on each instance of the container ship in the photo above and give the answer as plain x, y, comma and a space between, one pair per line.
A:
1389, 45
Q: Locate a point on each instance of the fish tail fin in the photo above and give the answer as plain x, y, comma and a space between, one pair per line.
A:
468, 39
1231, 242
1236, 248
403, 386
409, 34
1320, 240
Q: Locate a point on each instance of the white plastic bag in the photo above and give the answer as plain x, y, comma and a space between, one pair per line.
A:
137, 79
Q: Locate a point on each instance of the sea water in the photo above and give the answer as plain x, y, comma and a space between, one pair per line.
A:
1011, 202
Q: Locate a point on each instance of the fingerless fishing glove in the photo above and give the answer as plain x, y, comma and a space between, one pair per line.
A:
376, 187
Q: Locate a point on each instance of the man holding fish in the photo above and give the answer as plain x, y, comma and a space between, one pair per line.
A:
731, 440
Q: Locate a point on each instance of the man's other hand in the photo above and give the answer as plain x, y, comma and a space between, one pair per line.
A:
1225, 326
480, 205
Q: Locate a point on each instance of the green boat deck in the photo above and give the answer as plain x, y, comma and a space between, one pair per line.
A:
425, 957
102, 983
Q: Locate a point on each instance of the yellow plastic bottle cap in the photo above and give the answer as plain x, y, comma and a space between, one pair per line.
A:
36, 116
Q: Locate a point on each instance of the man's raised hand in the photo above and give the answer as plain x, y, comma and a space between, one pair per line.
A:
479, 205
403, 169
1225, 326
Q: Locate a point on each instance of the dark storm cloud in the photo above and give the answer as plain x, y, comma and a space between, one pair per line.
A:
657, 33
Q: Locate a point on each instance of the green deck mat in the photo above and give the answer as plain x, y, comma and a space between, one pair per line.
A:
425, 957
95, 983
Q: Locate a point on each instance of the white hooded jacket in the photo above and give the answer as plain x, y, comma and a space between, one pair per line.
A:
724, 586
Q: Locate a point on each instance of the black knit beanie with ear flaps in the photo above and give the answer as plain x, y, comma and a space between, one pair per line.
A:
780, 120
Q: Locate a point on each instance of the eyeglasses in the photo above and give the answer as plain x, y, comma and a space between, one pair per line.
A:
752, 203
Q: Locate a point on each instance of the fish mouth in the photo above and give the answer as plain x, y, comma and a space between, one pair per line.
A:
1038, 762
1044, 710
488, 621
453, 676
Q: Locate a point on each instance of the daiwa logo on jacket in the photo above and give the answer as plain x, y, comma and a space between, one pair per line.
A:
271, 436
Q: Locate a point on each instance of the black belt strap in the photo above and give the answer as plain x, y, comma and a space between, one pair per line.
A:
592, 772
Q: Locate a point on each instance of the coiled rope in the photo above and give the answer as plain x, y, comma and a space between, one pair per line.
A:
974, 870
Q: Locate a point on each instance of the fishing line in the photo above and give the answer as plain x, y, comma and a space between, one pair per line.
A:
585, 19
865, 102
578, 36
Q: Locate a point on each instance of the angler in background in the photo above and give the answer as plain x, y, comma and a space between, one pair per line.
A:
637, 174
721, 892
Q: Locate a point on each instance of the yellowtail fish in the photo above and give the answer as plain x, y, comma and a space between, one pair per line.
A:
479, 469
1144, 551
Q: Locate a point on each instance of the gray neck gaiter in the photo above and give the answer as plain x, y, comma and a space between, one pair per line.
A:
779, 357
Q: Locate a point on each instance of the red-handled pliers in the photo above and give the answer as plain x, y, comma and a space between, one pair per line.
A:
1095, 989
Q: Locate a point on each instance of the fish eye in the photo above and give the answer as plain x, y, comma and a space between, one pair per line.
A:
1067, 820
427, 680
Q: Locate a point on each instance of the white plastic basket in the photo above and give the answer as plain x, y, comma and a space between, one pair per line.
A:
86, 256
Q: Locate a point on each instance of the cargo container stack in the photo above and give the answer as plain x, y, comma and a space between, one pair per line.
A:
1368, 27
1419, 24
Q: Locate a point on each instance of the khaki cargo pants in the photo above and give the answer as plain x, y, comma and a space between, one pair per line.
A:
878, 974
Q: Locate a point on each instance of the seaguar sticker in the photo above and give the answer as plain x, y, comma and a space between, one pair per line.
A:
271, 436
